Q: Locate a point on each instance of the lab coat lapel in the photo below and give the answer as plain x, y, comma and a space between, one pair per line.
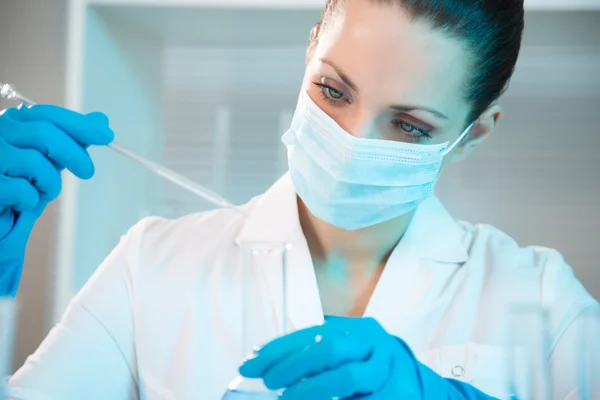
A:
275, 218
400, 288
429, 253
304, 301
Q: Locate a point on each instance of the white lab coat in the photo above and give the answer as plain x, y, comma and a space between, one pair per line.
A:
160, 319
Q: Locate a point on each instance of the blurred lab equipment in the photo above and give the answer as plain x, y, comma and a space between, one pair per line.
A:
529, 348
263, 318
531, 373
8, 308
8, 92
588, 353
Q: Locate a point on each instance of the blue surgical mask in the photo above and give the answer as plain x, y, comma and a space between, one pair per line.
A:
352, 182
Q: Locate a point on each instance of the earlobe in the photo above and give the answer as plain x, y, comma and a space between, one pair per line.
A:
461, 152
486, 124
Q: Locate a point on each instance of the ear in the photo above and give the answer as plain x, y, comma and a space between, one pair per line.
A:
481, 130
312, 41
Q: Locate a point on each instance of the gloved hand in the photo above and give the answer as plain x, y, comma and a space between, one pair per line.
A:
36, 143
349, 358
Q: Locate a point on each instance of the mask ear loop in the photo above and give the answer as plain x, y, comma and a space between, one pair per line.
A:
457, 141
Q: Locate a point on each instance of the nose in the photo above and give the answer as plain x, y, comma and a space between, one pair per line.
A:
359, 123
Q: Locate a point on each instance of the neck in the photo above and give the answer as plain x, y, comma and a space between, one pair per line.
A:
371, 245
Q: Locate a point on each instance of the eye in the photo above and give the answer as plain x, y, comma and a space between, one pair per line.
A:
336, 94
411, 132
332, 95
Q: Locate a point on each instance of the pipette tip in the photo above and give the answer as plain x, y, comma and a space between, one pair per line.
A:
7, 91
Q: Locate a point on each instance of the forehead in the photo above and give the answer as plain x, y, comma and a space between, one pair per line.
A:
394, 59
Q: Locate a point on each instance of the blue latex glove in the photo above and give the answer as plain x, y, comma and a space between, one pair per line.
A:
36, 143
349, 358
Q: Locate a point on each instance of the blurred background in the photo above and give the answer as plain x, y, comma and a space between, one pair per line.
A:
208, 87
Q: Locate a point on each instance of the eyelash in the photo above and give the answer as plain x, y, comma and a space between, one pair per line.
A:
410, 128
323, 89
402, 126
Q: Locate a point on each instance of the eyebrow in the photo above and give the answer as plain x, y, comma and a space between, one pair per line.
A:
342, 75
417, 108
401, 108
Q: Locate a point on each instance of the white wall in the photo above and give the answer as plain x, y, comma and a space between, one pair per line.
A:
32, 54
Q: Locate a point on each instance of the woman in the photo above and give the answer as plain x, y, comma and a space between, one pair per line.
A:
393, 91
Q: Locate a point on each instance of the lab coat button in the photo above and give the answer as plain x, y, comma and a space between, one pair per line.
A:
457, 371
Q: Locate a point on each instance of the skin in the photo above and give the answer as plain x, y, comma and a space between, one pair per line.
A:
391, 60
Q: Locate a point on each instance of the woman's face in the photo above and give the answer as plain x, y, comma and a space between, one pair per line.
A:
380, 75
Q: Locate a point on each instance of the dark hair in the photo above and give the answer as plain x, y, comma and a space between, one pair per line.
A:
491, 29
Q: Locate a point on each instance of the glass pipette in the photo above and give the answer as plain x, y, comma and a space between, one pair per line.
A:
8, 92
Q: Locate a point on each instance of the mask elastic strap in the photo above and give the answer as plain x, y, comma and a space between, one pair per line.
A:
457, 141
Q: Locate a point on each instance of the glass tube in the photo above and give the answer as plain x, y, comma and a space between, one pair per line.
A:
529, 348
588, 354
264, 309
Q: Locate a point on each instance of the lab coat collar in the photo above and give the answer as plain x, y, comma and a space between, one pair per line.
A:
433, 233
274, 218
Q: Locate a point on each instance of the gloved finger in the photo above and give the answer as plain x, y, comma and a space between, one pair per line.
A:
352, 380
99, 118
16, 240
278, 349
7, 220
51, 141
33, 166
58, 166
91, 129
366, 325
26, 220
18, 194
333, 350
